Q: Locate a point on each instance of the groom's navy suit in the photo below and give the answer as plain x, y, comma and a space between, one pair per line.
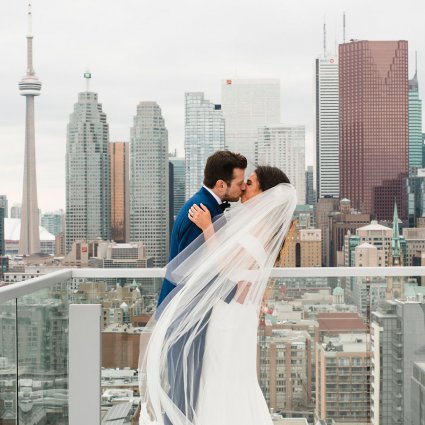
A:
185, 232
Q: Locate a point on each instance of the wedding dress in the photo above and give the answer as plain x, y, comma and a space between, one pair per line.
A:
231, 352
198, 353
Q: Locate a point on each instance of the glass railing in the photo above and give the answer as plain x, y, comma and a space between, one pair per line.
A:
35, 342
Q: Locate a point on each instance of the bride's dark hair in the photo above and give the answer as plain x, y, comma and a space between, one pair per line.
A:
269, 177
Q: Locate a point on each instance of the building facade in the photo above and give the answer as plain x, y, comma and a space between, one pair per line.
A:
120, 191
284, 147
149, 180
340, 223
88, 172
415, 243
343, 379
327, 126
303, 249
248, 104
373, 144
396, 346
120, 255
416, 196
324, 207
2, 216
418, 394
358, 251
284, 364
179, 184
5, 205
415, 124
310, 193
204, 134
16, 211
53, 222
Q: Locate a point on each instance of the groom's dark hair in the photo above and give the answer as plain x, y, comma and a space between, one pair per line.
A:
269, 177
220, 166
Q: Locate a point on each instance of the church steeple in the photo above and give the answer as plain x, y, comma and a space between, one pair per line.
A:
395, 243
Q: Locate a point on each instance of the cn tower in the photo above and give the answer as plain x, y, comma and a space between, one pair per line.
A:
29, 87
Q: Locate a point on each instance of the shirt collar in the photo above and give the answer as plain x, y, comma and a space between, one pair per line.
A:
219, 201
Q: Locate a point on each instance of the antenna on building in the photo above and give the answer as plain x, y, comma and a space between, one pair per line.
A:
416, 62
343, 27
29, 34
87, 76
336, 44
324, 39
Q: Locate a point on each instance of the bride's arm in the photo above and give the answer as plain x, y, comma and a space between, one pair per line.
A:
242, 291
201, 216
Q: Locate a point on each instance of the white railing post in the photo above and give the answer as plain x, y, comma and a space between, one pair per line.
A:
84, 364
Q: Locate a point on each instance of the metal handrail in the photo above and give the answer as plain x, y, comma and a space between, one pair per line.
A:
19, 289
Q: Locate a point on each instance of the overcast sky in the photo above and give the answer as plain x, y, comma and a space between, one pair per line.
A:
157, 50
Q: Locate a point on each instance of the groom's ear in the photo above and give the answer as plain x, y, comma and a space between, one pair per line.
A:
220, 187
220, 184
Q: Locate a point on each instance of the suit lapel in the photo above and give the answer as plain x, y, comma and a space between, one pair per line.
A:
212, 202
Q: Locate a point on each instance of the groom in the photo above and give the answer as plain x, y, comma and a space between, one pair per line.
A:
224, 180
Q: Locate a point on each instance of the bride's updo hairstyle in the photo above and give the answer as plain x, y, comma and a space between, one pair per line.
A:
269, 177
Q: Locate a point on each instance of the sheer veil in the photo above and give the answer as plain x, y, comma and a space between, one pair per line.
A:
235, 263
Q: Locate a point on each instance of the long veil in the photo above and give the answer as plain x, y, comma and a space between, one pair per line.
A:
234, 263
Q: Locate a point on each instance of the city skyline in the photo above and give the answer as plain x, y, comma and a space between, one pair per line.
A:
224, 55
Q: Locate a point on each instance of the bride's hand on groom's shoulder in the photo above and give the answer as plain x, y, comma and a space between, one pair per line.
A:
200, 215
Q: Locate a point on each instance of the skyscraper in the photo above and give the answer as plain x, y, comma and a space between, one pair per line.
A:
179, 183
120, 190
325, 206
373, 107
415, 124
310, 193
416, 196
88, 172
284, 147
29, 86
423, 150
4, 261
248, 104
204, 134
53, 222
16, 211
4, 204
396, 346
2, 217
327, 126
149, 198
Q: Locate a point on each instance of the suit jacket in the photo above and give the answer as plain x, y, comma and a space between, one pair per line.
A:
185, 232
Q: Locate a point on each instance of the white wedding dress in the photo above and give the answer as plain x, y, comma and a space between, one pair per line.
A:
225, 389
229, 392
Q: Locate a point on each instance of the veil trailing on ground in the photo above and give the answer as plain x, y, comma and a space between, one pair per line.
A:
233, 264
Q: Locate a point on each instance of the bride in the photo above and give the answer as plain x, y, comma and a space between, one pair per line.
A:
208, 324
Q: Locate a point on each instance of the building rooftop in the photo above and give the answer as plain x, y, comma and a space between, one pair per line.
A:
125, 328
340, 322
289, 335
366, 245
374, 226
347, 343
118, 414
